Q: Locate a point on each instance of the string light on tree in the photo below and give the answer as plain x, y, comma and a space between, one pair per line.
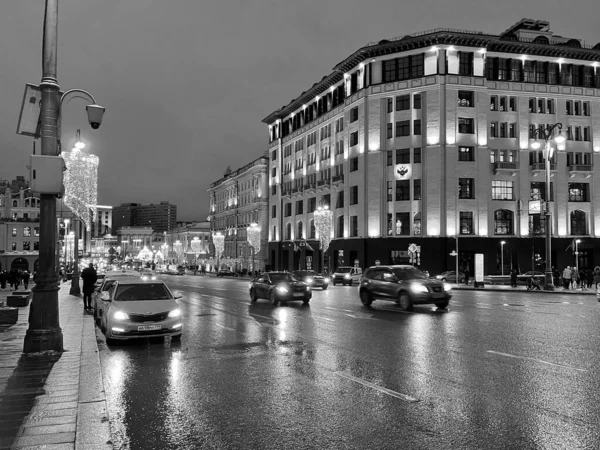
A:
81, 183
145, 254
323, 224
253, 232
219, 242
179, 251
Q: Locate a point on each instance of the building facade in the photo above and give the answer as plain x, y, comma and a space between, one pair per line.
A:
161, 217
189, 232
237, 201
427, 140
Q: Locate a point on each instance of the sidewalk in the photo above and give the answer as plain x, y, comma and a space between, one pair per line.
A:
53, 401
522, 288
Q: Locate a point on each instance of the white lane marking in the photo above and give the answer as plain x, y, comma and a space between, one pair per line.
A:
541, 361
338, 309
223, 326
323, 318
406, 398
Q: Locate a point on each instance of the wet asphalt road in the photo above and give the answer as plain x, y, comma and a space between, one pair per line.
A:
494, 371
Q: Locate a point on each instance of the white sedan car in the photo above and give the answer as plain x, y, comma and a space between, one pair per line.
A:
140, 309
105, 284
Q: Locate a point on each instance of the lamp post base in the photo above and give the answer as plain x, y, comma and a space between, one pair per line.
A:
37, 341
548, 282
75, 290
44, 333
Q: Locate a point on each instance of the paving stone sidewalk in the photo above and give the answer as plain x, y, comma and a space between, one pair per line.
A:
53, 401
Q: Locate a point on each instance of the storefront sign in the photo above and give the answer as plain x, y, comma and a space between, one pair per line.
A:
479, 267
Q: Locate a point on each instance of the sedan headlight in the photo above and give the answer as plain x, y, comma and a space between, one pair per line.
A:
447, 287
154, 277
144, 277
282, 289
326, 280
347, 276
309, 280
175, 313
418, 288
308, 288
120, 315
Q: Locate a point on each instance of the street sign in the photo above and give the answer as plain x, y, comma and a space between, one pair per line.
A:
377, 262
412, 248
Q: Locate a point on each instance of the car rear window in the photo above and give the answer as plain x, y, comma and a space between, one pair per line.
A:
408, 273
139, 292
344, 269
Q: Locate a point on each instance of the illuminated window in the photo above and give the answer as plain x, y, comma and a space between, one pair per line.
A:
503, 222
466, 153
402, 224
502, 190
466, 188
466, 223
578, 223
417, 224
26, 231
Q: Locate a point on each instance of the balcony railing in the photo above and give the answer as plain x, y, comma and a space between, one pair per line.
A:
540, 166
581, 168
309, 186
338, 178
322, 182
506, 167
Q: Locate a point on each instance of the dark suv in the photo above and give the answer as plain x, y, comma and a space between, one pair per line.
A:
405, 285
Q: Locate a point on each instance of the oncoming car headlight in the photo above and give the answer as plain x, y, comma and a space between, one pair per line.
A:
309, 280
447, 287
326, 280
347, 276
120, 315
144, 277
154, 277
418, 288
175, 313
282, 289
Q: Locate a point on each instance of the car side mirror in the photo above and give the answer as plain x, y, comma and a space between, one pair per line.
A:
105, 296
176, 296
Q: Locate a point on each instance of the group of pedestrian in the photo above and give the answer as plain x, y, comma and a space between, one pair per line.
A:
14, 278
573, 278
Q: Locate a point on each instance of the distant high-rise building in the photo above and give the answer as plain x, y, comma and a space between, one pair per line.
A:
161, 217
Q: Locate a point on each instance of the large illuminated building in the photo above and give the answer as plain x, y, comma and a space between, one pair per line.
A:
427, 139
238, 200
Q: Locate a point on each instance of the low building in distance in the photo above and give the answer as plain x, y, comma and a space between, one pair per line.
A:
160, 217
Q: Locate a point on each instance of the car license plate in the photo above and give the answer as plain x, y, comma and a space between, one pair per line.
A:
438, 295
298, 294
148, 327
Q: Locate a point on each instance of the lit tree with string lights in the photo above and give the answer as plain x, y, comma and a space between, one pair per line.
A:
179, 251
197, 247
80, 181
219, 242
253, 232
323, 224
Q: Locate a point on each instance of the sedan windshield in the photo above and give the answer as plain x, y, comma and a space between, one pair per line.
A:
282, 277
135, 292
344, 269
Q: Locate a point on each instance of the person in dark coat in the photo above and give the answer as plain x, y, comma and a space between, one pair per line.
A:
513, 278
25, 277
3, 278
89, 277
589, 277
12, 279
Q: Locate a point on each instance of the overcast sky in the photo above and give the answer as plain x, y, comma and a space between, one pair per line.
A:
186, 83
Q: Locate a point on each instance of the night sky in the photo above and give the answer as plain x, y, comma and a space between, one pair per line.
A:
186, 83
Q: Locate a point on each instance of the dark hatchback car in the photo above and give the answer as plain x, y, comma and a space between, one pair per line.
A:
405, 285
312, 278
226, 273
279, 287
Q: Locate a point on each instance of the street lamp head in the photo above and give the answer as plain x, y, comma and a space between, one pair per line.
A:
95, 114
503, 242
536, 145
560, 139
578, 241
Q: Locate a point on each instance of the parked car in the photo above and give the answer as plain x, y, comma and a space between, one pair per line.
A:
403, 284
347, 275
312, 278
279, 287
107, 282
226, 273
140, 309
148, 274
450, 276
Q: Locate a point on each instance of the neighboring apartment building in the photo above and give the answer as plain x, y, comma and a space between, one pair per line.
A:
185, 233
238, 200
19, 226
101, 223
427, 139
161, 217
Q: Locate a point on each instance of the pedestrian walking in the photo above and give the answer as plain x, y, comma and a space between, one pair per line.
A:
597, 276
566, 277
89, 277
574, 278
589, 277
513, 278
582, 279
467, 276
3, 278
25, 277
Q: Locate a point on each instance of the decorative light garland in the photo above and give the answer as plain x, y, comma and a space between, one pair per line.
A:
324, 223
254, 237
196, 246
81, 183
145, 254
219, 241
179, 251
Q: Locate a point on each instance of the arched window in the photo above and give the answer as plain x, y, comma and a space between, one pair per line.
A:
299, 235
578, 223
288, 231
313, 230
503, 222
27, 203
15, 203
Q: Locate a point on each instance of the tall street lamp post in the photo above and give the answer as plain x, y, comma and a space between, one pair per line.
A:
547, 134
502, 256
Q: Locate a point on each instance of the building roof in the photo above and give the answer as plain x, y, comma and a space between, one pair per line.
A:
508, 42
